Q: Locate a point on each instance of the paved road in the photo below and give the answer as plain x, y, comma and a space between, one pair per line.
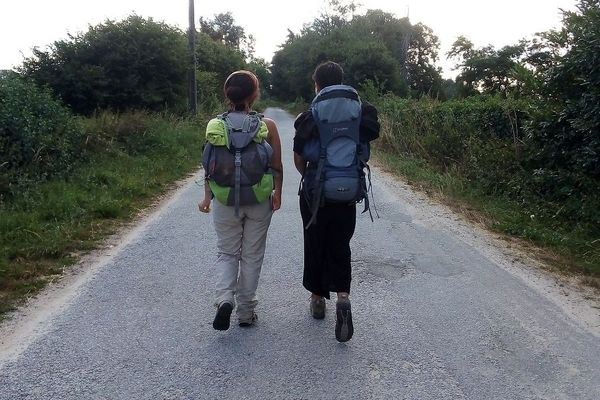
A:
435, 318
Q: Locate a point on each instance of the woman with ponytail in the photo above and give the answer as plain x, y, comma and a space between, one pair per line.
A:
241, 221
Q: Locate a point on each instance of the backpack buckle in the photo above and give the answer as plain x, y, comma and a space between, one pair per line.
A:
238, 159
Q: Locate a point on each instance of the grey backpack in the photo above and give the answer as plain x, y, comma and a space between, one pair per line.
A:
337, 160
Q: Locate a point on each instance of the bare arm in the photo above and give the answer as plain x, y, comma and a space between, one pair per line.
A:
204, 205
276, 163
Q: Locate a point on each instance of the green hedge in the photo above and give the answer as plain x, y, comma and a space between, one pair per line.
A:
493, 143
481, 137
39, 137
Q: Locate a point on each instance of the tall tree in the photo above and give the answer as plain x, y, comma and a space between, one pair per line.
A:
487, 69
337, 14
423, 76
569, 135
222, 28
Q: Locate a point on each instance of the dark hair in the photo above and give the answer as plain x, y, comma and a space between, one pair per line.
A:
241, 89
327, 74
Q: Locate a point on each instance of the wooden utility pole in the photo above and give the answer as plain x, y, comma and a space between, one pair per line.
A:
193, 88
405, 46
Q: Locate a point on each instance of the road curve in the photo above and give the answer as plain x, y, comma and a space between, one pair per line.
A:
436, 317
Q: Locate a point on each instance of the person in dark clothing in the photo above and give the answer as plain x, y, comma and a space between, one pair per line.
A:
327, 252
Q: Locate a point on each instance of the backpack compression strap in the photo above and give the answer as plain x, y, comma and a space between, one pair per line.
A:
238, 180
316, 200
250, 125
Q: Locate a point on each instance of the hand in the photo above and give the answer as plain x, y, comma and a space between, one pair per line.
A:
276, 201
204, 205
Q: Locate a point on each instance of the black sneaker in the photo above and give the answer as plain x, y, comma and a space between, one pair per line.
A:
317, 307
343, 320
221, 321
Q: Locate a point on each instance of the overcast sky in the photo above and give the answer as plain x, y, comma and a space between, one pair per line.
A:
25, 24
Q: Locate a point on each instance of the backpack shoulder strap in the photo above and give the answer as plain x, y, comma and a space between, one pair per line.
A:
252, 123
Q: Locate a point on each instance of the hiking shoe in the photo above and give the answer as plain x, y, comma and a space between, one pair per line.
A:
221, 321
246, 322
317, 307
343, 320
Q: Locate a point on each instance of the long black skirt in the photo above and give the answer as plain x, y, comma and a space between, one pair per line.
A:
327, 252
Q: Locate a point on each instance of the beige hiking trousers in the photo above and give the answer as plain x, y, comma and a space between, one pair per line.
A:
241, 249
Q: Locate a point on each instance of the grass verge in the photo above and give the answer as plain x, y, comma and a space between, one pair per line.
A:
44, 228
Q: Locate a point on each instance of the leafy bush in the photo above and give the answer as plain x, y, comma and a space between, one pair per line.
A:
39, 137
217, 58
132, 64
445, 133
134, 133
567, 131
483, 140
210, 91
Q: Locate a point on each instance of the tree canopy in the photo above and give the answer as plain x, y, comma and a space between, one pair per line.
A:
376, 48
139, 63
134, 63
39, 137
487, 69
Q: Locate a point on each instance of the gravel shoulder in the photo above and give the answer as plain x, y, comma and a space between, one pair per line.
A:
31, 320
580, 302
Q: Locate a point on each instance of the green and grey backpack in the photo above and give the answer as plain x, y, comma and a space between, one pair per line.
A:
237, 159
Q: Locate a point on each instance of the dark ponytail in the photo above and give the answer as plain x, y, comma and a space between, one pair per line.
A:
241, 90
